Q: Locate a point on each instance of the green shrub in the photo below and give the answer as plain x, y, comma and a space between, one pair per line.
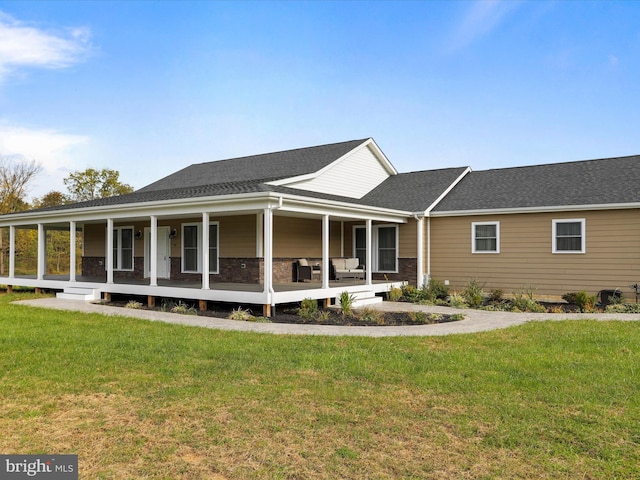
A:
241, 315
395, 294
372, 316
308, 308
346, 302
473, 293
570, 297
585, 302
457, 301
524, 302
414, 295
437, 290
133, 304
623, 308
495, 296
184, 309
456, 317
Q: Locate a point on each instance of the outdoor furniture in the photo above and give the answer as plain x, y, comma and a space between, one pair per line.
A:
303, 270
347, 268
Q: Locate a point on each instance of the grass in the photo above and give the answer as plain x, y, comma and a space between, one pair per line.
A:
137, 399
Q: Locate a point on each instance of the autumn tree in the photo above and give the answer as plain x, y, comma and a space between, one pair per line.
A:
15, 174
51, 199
91, 184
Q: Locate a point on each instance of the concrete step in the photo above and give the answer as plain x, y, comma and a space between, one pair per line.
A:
365, 298
79, 293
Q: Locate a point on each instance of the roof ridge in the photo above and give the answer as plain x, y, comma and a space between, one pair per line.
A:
559, 164
289, 150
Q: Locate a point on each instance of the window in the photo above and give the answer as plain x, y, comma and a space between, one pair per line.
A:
385, 241
569, 236
387, 249
360, 247
123, 248
192, 251
485, 237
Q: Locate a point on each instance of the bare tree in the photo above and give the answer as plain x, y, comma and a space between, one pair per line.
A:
15, 174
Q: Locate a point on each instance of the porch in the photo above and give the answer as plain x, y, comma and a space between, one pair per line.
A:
241, 294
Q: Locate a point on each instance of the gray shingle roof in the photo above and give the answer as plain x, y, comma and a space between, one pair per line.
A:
265, 167
413, 191
589, 182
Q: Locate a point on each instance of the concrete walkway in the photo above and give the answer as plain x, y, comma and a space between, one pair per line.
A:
475, 320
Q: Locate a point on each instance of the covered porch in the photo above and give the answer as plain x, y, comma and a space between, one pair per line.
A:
245, 257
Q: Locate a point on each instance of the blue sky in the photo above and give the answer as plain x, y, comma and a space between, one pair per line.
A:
149, 87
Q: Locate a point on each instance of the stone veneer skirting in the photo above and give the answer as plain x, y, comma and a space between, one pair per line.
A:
240, 270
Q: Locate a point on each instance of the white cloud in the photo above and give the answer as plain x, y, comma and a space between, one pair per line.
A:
480, 19
23, 46
51, 149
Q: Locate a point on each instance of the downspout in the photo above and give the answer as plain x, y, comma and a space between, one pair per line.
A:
420, 247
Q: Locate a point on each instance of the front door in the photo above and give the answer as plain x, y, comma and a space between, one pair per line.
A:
163, 258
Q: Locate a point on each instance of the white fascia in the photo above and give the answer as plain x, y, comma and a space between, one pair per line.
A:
309, 176
427, 212
548, 209
219, 204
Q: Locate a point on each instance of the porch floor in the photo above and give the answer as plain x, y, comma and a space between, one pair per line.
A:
237, 287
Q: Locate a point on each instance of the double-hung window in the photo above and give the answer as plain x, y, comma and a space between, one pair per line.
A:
485, 237
192, 247
569, 236
123, 248
385, 247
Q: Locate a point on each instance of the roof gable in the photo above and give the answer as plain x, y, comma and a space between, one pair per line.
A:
352, 175
607, 181
264, 167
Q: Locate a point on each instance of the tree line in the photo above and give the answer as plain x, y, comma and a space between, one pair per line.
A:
16, 174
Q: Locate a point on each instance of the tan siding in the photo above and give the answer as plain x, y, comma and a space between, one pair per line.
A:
612, 258
94, 240
297, 237
408, 239
237, 236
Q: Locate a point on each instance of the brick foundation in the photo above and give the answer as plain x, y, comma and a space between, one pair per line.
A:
407, 271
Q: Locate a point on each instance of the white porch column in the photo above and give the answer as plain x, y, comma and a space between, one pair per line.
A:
420, 256
268, 250
259, 234
12, 251
325, 251
109, 259
72, 251
42, 253
205, 251
342, 239
153, 251
369, 268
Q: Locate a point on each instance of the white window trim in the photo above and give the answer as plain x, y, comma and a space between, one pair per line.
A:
473, 237
583, 232
119, 268
374, 246
199, 247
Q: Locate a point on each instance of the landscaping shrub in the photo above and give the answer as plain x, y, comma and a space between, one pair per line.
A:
414, 295
346, 302
437, 290
524, 302
473, 293
395, 294
308, 308
585, 302
623, 308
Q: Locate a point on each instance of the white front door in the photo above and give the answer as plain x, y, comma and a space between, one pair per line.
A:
163, 258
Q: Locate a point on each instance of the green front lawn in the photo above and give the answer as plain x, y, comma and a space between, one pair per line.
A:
137, 399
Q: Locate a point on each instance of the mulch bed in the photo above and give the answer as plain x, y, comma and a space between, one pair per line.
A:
288, 314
